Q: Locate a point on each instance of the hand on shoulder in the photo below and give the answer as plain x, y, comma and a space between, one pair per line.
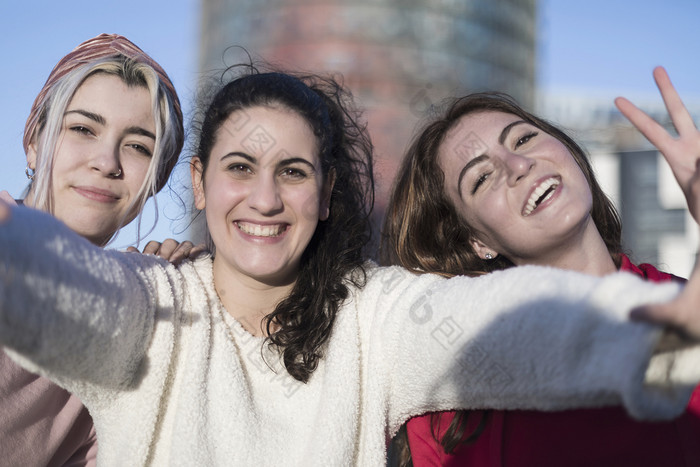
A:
172, 250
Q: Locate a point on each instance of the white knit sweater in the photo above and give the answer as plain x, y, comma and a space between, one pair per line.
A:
171, 379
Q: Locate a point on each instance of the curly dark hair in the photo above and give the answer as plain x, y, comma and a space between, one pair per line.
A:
335, 256
424, 233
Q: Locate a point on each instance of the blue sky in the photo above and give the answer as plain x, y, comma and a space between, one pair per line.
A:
600, 47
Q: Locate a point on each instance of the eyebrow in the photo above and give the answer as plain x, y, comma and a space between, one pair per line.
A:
469, 165
501, 139
506, 130
137, 130
294, 160
132, 130
240, 154
92, 116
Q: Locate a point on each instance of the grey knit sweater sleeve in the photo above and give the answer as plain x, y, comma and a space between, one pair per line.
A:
525, 338
73, 311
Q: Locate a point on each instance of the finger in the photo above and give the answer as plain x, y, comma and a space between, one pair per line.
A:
132, 249
198, 250
676, 109
694, 193
673, 315
681, 313
167, 248
656, 314
5, 196
5, 212
181, 252
151, 248
655, 133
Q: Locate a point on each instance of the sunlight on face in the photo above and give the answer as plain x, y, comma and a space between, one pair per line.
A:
103, 154
264, 194
518, 187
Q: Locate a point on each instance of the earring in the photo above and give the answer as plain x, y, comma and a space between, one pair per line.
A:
488, 256
29, 172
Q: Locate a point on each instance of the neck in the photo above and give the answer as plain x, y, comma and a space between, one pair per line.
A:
595, 261
29, 199
585, 253
246, 299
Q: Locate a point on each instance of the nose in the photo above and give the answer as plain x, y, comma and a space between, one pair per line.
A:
265, 196
105, 159
517, 167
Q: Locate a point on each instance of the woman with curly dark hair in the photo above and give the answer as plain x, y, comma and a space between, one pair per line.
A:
487, 186
286, 347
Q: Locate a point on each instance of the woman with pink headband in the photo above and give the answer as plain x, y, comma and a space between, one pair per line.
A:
103, 136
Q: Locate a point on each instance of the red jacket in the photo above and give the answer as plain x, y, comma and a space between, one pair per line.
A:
585, 437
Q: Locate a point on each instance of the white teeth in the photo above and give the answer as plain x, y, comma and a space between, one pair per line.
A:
261, 230
538, 192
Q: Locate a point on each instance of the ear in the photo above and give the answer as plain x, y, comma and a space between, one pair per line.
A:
197, 174
31, 155
325, 208
482, 249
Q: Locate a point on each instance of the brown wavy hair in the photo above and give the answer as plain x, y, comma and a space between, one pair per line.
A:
334, 259
424, 233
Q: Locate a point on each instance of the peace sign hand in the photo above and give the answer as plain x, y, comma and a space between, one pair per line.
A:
683, 152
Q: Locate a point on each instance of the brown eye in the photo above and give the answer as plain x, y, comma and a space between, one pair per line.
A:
525, 139
142, 149
293, 173
480, 181
81, 130
239, 169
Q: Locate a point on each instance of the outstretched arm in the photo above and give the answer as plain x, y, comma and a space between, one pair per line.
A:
70, 308
683, 152
524, 338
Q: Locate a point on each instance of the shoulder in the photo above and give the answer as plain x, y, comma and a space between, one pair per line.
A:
647, 271
395, 280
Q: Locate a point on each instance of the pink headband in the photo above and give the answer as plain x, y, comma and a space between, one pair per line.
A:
103, 46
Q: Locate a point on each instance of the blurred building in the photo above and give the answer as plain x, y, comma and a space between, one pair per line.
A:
657, 227
399, 58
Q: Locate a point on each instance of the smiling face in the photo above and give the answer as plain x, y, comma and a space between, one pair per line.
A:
264, 193
102, 157
518, 187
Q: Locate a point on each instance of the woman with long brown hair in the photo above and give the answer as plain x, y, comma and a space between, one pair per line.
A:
488, 186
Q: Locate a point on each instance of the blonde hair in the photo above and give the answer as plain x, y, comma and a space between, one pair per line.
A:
169, 131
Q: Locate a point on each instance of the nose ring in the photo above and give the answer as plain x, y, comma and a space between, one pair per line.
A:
116, 174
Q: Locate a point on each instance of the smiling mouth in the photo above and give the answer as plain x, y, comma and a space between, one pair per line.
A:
542, 193
97, 194
258, 230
